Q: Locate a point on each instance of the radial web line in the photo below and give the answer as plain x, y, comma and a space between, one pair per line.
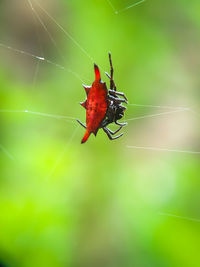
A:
179, 217
164, 149
133, 5
36, 72
58, 117
35, 76
158, 106
41, 59
157, 114
60, 157
125, 8
43, 25
176, 109
112, 6
65, 32
6, 152
46, 179
51, 38
62, 117
37, 33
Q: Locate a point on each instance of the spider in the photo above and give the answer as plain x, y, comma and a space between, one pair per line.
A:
103, 106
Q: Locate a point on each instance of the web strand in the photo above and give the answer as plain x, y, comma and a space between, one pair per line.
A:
51, 37
58, 117
65, 32
73, 118
60, 157
157, 106
133, 5
176, 109
62, 117
157, 114
5, 151
112, 6
43, 25
37, 34
179, 217
41, 59
125, 8
164, 149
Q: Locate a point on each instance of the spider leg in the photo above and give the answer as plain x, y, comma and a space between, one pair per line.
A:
112, 86
111, 66
118, 93
117, 100
121, 123
111, 72
108, 75
81, 123
113, 133
109, 135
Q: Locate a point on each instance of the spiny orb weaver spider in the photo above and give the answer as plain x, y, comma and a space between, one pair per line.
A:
103, 106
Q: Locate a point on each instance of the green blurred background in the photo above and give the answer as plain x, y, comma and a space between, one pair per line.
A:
101, 203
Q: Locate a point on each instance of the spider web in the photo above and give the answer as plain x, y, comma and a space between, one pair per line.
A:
120, 10
41, 59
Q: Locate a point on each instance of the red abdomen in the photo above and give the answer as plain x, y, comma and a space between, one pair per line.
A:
95, 104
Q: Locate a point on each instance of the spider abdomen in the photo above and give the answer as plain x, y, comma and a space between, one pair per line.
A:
103, 106
96, 105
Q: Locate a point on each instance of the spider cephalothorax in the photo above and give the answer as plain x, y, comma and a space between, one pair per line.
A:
103, 106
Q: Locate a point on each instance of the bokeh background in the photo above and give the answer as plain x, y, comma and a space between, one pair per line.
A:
101, 203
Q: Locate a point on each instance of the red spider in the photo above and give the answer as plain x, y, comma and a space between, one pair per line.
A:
103, 106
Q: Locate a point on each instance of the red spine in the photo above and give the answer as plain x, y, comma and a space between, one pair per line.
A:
85, 138
97, 73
